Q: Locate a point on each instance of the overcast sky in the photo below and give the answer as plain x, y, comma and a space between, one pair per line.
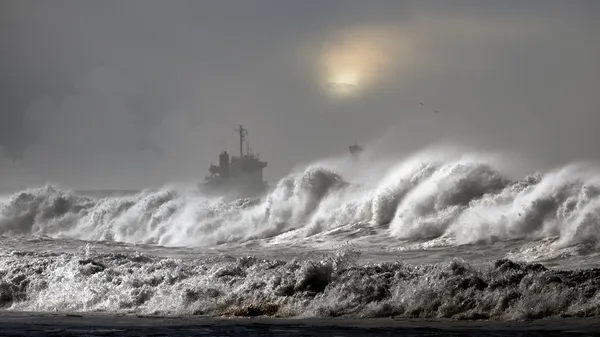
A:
141, 92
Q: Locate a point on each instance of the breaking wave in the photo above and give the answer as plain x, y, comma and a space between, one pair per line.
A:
452, 199
330, 287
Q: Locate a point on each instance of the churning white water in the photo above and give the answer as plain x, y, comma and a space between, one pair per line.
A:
433, 235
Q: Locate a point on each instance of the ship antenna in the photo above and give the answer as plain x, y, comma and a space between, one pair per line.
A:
243, 132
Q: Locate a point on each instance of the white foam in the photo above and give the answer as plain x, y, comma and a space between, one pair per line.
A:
436, 195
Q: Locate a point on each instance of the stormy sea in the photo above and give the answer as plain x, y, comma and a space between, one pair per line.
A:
430, 244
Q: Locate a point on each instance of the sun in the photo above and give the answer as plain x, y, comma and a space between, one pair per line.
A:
355, 59
344, 83
342, 88
347, 77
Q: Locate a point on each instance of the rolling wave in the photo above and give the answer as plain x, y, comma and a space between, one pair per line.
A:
454, 199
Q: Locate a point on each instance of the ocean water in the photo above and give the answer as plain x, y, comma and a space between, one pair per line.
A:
434, 236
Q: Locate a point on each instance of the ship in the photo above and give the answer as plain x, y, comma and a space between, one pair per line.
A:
237, 176
355, 150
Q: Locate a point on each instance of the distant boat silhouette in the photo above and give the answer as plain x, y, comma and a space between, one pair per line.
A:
355, 149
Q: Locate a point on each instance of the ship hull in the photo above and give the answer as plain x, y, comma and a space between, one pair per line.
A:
233, 190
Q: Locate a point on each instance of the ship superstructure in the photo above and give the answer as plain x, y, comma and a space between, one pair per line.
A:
241, 175
355, 149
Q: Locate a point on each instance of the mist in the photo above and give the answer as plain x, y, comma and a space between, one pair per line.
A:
127, 94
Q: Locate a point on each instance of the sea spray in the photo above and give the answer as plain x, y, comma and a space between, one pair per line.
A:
335, 285
454, 199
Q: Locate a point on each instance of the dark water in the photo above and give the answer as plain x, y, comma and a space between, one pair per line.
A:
39, 324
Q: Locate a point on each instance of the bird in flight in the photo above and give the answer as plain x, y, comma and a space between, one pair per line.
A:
435, 111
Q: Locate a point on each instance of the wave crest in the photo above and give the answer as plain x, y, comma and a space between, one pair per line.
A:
460, 200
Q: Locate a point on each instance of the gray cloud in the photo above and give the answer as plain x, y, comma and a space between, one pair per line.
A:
125, 94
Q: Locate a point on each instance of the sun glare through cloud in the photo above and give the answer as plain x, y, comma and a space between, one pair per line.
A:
356, 58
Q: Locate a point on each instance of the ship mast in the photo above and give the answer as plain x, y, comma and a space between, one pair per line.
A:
243, 132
